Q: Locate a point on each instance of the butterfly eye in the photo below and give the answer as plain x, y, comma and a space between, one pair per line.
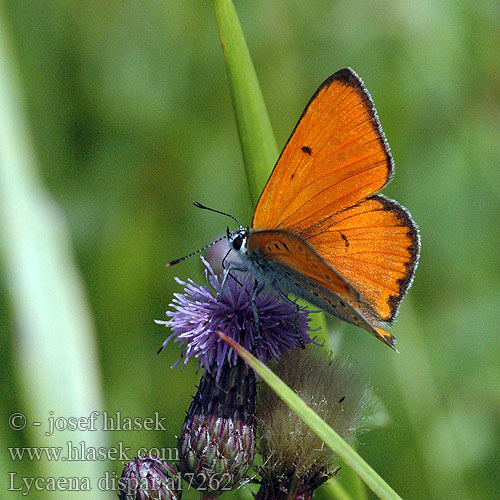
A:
237, 242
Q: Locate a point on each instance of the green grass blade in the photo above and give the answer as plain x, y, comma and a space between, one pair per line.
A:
258, 144
54, 338
323, 430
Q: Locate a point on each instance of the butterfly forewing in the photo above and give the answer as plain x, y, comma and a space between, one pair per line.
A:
335, 157
296, 254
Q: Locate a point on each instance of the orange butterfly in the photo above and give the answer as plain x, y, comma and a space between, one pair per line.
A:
319, 230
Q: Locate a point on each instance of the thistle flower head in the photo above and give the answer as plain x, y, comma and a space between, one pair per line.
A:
295, 460
147, 477
198, 314
217, 440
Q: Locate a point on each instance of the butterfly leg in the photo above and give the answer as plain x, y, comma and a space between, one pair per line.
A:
227, 274
258, 287
297, 316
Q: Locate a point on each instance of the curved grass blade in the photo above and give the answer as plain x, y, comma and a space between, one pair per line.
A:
317, 425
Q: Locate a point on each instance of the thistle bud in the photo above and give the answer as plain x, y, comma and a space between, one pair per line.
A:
217, 440
147, 477
295, 460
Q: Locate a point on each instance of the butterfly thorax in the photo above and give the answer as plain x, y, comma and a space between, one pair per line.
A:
261, 264
253, 262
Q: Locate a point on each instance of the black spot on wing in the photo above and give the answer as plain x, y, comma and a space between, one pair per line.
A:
307, 150
346, 241
330, 301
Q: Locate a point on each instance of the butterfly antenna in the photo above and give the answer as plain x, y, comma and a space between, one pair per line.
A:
176, 261
199, 205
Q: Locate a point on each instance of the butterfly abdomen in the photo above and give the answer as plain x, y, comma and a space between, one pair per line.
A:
268, 263
281, 278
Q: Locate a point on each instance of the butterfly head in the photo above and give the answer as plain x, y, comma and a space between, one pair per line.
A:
238, 239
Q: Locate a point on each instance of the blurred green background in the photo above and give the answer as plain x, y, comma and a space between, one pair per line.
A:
129, 113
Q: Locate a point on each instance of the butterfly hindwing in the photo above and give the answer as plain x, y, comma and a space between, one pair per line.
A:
373, 244
292, 265
293, 252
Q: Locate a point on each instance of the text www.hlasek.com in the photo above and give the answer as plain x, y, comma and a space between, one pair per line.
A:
81, 452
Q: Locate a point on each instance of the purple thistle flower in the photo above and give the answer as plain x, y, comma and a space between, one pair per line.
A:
198, 315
